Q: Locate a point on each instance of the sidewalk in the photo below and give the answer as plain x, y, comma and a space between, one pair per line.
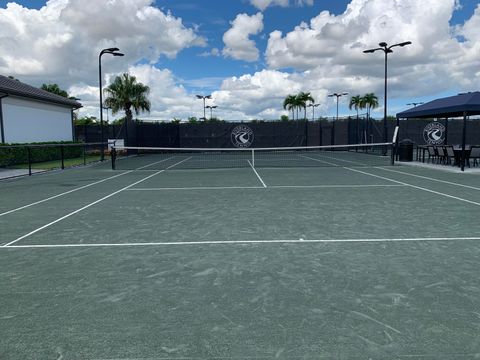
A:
11, 173
442, 167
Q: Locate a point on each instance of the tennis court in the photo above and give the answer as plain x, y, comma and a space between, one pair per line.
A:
355, 259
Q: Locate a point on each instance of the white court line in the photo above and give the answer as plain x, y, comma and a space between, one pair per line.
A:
198, 188
73, 190
88, 205
270, 187
241, 242
318, 160
417, 187
64, 193
256, 173
347, 161
429, 178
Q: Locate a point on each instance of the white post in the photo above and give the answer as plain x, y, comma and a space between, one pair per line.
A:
253, 157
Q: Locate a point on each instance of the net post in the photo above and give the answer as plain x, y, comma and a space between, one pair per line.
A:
394, 145
113, 156
253, 157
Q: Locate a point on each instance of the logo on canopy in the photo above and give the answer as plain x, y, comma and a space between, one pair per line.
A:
434, 133
242, 136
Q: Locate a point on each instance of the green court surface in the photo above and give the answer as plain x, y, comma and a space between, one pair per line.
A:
370, 262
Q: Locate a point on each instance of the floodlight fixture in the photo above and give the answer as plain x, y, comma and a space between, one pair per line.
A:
386, 49
204, 97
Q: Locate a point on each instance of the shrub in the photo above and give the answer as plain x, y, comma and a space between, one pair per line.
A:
16, 154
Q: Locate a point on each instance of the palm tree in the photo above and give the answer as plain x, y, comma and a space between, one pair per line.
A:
356, 103
302, 99
124, 93
54, 89
369, 101
290, 103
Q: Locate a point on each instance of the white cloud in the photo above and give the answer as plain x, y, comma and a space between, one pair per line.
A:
61, 41
263, 4
238, 45
331, 48
213, 52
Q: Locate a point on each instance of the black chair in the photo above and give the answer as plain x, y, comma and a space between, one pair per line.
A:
431, 153
474, 155
441, 155
450, 155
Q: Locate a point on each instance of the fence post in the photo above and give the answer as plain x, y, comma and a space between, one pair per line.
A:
113, 153
29, 159
62, 154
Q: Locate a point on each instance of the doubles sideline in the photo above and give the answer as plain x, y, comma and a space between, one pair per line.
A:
91, 204
79, 188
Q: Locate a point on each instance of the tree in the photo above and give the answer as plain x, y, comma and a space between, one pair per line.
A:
86, 120
302, 99
290, 103
369, 101
126, 93
356, 103
55, 89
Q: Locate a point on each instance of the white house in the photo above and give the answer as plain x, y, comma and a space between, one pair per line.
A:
29, 114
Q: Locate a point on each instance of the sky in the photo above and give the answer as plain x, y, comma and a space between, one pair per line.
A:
248, 54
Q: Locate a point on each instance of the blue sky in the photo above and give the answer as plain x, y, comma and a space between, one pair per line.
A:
175, 57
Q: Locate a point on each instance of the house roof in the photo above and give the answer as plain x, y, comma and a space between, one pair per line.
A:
17, 88
453, 106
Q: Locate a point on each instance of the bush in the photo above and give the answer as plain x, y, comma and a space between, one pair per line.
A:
16, 154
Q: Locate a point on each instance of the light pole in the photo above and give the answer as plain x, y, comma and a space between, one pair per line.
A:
204, 97
106, 108
313, 106
114, 52
337, 95
386, 49
211, 107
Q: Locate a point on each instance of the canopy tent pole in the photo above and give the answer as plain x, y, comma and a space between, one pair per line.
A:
464, 132
446, 131
397, 157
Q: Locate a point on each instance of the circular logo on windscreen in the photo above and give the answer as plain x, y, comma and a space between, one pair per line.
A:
434, 133
242, 136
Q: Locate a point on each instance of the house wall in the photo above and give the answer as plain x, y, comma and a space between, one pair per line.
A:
26, 120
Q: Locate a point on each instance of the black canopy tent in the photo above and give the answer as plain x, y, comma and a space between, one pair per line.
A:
465, 105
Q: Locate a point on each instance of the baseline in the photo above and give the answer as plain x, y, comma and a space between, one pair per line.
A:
88, 205
243, 242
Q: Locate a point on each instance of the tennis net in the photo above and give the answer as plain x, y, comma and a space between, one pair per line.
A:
157, 158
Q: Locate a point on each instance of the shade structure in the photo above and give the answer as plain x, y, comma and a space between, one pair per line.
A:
465, 105
452, 106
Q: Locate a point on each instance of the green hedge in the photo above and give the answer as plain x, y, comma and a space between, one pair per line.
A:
11, 156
